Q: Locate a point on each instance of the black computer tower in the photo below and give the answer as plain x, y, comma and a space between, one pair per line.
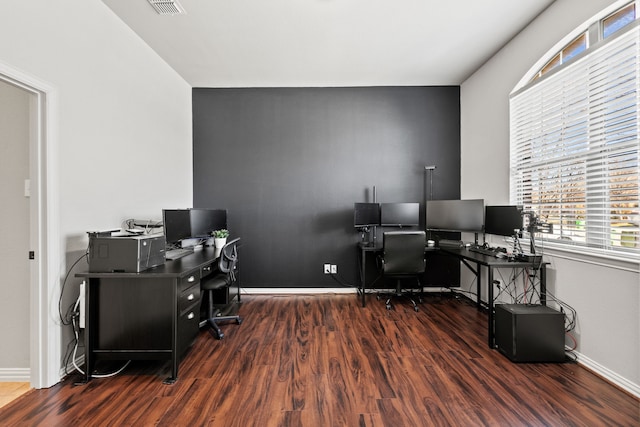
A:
529, 333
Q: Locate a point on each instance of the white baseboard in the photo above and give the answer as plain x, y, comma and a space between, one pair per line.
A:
296, 291
318, 291
609, 375
70, 369
17, 375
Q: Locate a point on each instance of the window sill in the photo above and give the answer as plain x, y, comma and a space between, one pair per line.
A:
628, 263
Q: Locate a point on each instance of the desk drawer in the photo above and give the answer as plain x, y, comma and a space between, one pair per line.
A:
189, 280
188, 297
188, 328
207, 270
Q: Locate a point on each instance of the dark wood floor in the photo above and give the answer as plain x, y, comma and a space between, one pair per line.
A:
326, 361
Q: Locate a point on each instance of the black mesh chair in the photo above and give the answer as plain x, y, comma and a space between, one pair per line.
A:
403, 258
226, 277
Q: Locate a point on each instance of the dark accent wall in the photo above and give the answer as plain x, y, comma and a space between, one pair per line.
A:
288, 164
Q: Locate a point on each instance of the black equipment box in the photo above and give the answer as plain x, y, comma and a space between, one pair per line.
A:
529, 333
125, 254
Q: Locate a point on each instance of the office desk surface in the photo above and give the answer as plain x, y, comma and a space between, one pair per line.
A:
171, 268
487, 260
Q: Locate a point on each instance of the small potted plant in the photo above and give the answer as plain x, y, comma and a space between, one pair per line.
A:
220, 237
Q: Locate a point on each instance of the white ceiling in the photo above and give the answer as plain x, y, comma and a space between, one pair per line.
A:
318, 43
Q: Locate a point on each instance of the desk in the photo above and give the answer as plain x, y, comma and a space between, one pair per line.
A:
467, 257
151, 315
363, 250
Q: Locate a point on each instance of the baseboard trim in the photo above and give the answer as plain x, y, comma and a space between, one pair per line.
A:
296, 291
18, 375
70, 368
607, 374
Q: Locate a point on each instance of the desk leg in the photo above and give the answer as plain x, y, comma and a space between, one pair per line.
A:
363, 282
490, 304
174, 342
478, 287
88, 331
543, 284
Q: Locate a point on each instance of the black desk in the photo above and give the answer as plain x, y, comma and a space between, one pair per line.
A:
467, 257
492, 263
363, 250
151, 315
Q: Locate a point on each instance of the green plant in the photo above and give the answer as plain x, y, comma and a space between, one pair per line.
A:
220, 234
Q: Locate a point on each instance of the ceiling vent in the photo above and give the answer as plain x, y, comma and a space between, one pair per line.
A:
167, 7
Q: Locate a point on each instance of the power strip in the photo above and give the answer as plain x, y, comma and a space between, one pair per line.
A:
81, 318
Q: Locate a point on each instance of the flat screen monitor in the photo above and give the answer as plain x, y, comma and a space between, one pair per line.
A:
399, 214
503, 220
204, 221
177, 225
455, 215
366, 214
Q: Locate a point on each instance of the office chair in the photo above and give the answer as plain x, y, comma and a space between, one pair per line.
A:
403, 257
227, 276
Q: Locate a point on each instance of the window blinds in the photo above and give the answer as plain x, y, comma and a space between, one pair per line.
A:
574, 149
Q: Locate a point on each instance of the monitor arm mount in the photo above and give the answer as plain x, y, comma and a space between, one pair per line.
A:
535, 225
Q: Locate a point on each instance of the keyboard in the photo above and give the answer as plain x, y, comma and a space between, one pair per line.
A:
177, 253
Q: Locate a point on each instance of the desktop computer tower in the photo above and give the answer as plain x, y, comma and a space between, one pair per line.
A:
125, 254
529, 333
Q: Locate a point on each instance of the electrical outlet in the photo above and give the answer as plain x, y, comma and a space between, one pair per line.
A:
334, 269
327, 269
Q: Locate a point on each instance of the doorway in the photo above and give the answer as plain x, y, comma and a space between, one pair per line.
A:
36, 287
15, 230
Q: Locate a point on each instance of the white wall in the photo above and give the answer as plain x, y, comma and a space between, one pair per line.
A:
607, 298
121, 122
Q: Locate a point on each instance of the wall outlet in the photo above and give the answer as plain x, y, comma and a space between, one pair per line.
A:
327, 269
334, 269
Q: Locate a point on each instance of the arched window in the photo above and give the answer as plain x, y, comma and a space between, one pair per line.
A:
575, 130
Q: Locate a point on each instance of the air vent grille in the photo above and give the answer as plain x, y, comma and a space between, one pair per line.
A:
167, 7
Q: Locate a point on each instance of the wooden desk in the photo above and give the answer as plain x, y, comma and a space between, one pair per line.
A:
151, 315
491, 263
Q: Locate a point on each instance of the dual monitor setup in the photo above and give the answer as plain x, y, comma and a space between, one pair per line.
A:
473, 216
368, 216
183, 225
442, 216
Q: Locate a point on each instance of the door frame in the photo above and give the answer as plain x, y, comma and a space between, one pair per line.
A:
44, 282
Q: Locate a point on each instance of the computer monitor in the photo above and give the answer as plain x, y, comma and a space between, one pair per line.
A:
399, 214
366, 215
204, 221
503, 220
455, 215
177, 225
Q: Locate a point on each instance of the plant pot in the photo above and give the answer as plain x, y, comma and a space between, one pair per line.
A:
220, 242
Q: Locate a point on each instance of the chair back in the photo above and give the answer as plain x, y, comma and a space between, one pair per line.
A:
228, 261
403, 252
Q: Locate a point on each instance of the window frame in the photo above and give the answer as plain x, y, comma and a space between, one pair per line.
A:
595, 27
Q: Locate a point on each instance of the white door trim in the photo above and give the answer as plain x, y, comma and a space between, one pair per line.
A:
44, 329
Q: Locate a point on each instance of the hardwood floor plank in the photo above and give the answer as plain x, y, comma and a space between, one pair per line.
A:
323, 360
